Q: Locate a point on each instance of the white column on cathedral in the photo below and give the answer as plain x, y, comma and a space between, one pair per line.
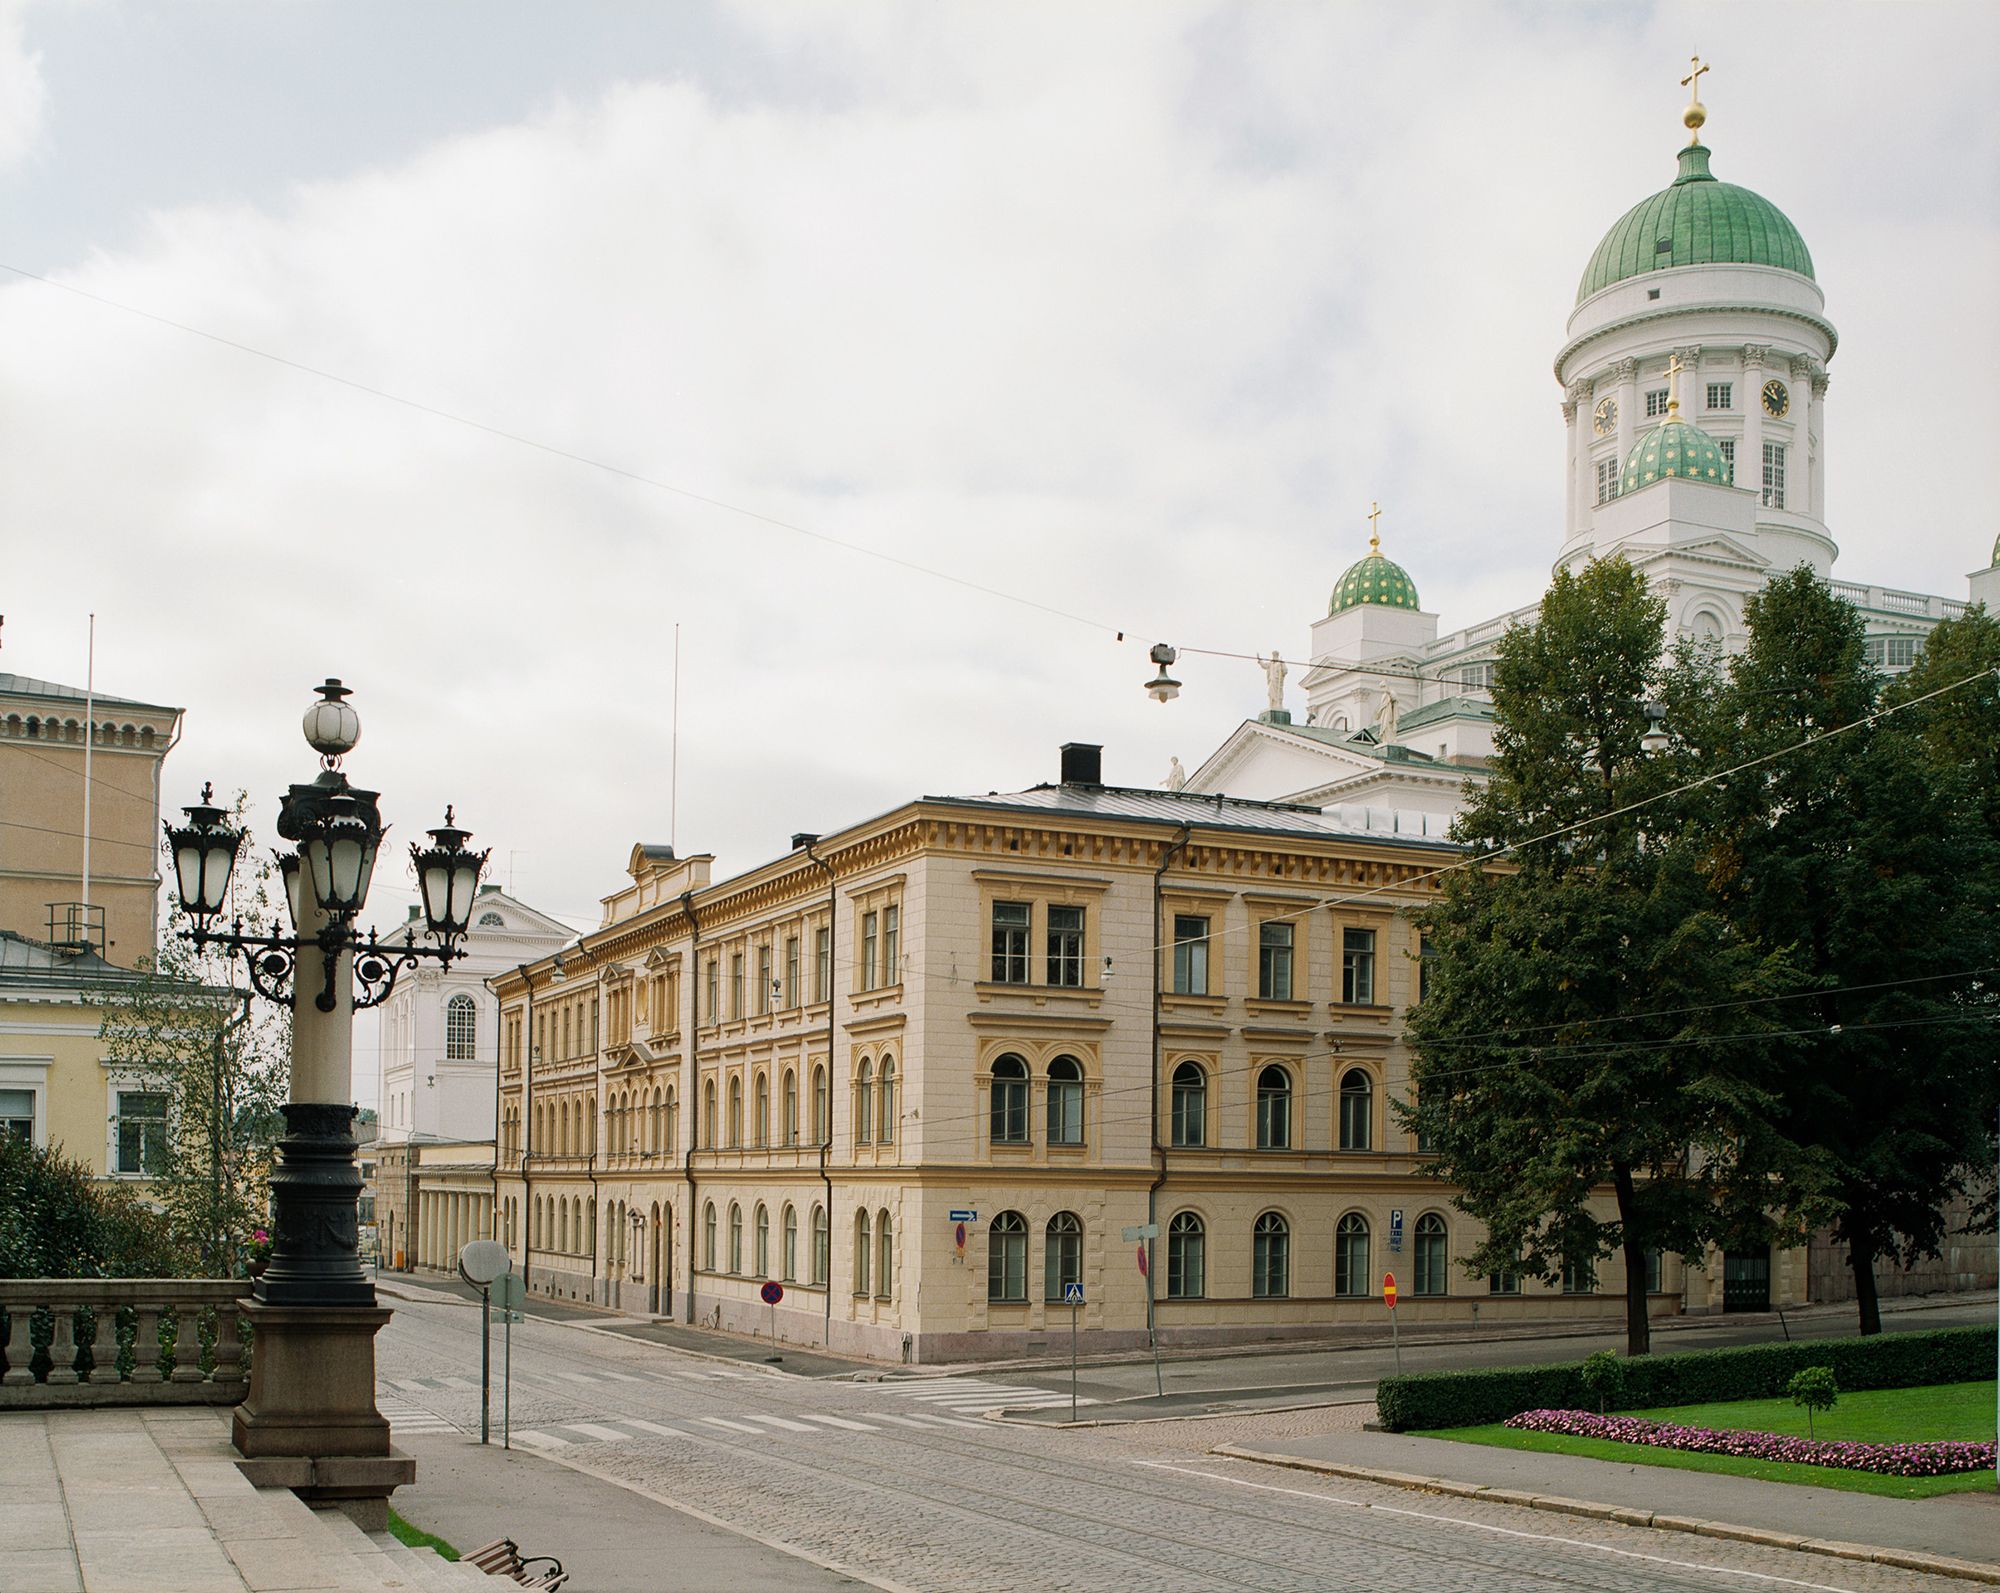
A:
1816, 442
1750, 458
1628, 407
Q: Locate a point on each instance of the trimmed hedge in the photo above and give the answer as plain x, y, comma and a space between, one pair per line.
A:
1696, 1377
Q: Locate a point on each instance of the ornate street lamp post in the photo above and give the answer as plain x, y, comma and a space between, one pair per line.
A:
310, 1421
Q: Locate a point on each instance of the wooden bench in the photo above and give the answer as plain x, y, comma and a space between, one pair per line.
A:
502, 1557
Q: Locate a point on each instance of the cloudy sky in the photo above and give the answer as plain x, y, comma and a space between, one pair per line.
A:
465, 351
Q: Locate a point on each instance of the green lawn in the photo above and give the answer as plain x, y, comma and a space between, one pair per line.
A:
1878, 1416
417, 1538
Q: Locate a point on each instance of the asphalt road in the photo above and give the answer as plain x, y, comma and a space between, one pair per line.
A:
901, 1484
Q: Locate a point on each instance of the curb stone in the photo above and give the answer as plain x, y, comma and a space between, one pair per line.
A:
1901, 1559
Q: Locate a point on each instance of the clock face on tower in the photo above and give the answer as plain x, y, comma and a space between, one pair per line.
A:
1604, 419
1776, 399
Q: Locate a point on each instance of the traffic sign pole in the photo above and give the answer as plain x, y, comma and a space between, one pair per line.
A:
772, 1292
1389, 1299
1145, 1233
485, 1362
1073, 1298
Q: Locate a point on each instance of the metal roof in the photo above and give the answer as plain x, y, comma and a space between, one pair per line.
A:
1200, 810
28, 686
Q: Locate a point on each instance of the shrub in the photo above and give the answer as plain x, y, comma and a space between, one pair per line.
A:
1604, 1375
1813, 1387
1752, 1371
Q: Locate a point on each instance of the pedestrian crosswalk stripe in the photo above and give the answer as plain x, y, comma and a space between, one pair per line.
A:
735, 1427
594, 1430
950, 1421
412, 1384
463, 1384
784, 1422
838, 1421
622, 1377
542, 1440
652, 1427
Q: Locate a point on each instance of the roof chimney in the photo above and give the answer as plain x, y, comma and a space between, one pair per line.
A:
1082, 763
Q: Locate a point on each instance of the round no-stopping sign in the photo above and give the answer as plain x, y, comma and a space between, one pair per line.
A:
1389, 1290
772, 1293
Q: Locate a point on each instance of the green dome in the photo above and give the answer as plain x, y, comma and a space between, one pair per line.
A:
1697, 221
1374, 580
1674, 448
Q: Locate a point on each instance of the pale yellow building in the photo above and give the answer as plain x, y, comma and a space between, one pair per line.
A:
42, 853
930, 1071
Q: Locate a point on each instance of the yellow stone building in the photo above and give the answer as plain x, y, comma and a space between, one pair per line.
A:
928, 1072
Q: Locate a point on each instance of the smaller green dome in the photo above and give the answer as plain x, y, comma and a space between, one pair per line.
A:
1674, 448
1374, 580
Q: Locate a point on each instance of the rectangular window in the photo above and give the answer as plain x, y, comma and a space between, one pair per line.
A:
822, 963
1274, 961
1656, 1267
1726, 446
1357, 967
1010, 943
1579, 1277
791, 970
1426, 955
1503, 1283
1066, 946
867, 958
142, 1131
1774, 475
892, 945
1892, 652
1190, 955
714, 991
1721, 395
1656, 403
763, 983
17, 1115
736, 984
1607, 479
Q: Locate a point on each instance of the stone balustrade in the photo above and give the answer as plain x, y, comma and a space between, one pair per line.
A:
121, 1341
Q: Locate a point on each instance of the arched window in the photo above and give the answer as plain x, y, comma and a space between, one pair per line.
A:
1187, 1257
586, 1238
670, 1134
1350, 1255
885, 1256
1062, 1254
461, 1028
864, 1103
1010, 1101
1357, 1109
885, 1090
822, 1109
708, 1235
861, 1252
1190, 1105
1274, 1109
763, 1242
735, 1111
819, 1244
1271, 1258
791, 1118
1007, 1258
790, 1244
761, 1117
1065, 1101
1428, 1275
735, 1237
562, 1227
708, 1124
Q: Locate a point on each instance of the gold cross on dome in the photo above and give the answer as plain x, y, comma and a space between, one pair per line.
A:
1692, 82
1674, 369
1374, 514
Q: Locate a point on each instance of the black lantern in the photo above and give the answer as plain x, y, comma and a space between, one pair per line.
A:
294, 877
448, 878
204, 851
1163, 687
339, 852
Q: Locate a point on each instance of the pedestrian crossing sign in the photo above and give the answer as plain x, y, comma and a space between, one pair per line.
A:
1072, 1294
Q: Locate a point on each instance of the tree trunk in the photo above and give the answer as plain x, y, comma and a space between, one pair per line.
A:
1638, 1325
1862, 1255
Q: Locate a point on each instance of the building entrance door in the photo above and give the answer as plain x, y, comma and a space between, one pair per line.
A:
663, 1265
1746, 1280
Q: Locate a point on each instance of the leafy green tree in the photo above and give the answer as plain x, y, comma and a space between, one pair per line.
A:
191, 1029
57, 1221
1869, 855
1815, 1388
1583, 1022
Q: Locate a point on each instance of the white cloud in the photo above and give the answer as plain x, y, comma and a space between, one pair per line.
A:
23, 94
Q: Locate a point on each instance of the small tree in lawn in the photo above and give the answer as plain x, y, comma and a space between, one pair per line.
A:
1814, 1388
192, 1031
1604, 1375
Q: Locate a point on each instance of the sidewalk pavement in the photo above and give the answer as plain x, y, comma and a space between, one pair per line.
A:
1963, 1526
610, 1539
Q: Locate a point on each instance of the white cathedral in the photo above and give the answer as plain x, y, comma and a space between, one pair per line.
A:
1694, 377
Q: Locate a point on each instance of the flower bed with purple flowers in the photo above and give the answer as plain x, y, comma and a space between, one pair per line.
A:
1943, 1458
